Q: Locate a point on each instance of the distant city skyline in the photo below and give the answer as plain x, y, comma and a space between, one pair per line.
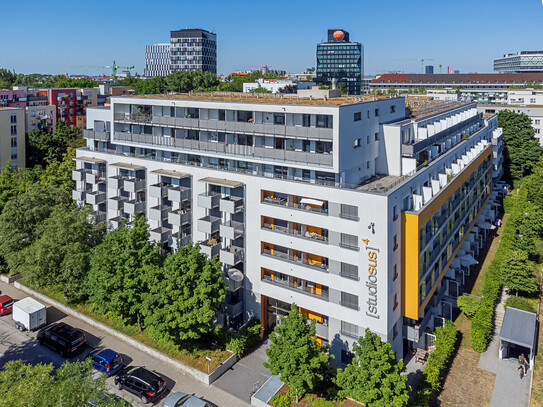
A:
461, 35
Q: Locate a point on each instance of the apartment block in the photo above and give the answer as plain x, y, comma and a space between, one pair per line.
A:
363, 217
12, 137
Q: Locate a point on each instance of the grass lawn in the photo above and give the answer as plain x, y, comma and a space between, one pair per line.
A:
195, 358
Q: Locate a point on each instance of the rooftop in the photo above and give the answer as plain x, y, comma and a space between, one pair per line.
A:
260, 98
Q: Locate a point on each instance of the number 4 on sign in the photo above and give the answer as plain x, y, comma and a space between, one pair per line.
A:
366, 241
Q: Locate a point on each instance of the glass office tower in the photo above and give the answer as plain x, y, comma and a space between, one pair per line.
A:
341, 61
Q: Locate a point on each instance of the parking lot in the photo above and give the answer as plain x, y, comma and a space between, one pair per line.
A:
17, 345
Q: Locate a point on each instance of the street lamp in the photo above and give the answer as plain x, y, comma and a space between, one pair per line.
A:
208, 360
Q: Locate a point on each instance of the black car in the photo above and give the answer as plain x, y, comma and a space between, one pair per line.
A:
62, 338
146, 384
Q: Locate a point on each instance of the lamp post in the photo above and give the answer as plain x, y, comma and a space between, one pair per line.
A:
208, 360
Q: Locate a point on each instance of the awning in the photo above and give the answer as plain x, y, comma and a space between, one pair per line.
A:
171, 173
222, 182
235, 275
519, 327
468, 260
127, 166
90, 160
308, 201
455, 263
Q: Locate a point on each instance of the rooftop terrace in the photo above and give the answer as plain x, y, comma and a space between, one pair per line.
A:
261, 98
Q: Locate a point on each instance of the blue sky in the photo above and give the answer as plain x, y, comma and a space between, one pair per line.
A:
53, 36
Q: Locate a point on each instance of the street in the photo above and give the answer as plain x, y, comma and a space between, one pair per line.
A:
18, 345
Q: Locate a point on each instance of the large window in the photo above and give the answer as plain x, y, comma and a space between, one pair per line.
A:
349, 329
324, 121
349, 241
349, 212
349, 271
349, 300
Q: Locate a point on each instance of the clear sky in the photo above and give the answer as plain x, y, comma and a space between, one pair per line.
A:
53, 36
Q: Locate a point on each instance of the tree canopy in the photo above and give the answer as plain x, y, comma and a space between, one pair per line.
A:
374, 375
44, 147
518, 274
294, 353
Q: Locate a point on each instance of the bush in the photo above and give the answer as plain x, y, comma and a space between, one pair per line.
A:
469, 305
243, 340
520, 303
281, 400
438, 362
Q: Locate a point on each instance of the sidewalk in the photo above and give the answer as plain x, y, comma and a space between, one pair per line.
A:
509, 389
177, 381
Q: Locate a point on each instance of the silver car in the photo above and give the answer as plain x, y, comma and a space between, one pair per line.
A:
186, 400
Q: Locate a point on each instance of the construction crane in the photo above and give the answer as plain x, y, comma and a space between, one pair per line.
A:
422, 62
113, 68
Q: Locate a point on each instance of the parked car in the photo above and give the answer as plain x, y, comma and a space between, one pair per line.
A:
186, 400
106, 361
145, 383
62, 338
6, 304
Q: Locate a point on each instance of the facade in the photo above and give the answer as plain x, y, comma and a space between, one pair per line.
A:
519, 62
157, 60
360, 216
535, 113
464, 80
193, 49
13, 98
340, 61
12, 137
65, 102
41, 117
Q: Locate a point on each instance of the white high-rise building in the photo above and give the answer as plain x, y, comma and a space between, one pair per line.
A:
361, 216
157, 60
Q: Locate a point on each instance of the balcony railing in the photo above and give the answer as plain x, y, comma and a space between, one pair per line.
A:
160, 235
312, 291
179, 194
284, 202
232, 310
134, 184
178, 240
231, 204
211, 248
209, 200
95, 197
96, 135
297, 260
179, 217
133, 207
232, 255
231, 230
159, 212
209, 224
297, 233
116, 203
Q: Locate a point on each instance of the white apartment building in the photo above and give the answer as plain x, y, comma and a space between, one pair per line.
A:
360, 216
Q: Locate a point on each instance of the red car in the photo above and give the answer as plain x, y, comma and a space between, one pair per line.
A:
6, 304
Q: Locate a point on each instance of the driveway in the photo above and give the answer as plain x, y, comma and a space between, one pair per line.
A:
17, 345
241, 378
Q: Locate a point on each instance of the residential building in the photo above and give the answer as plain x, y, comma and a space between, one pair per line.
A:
519, 62
535, 113
65, 101
340, 61
40, 117
362, 217
12, 137
464, 80
157, 60
193, 49
13, 98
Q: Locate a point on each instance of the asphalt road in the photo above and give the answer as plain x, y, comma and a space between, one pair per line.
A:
18, 345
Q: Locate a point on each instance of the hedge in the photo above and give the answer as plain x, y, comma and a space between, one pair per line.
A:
438, 362
520, 303
245, 339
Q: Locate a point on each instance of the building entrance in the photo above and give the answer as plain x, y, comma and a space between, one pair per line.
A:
276, 309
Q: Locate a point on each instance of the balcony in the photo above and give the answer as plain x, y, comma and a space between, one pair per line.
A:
95, 197
321, 292
132, 207
179, 218
95, 177
116, 182
96, 135
231, 204
179, 194
177, 240
78, 195
232, 255
294, 232
159, 212
232, 310
158, 190
295, 156
298, 260
116, 203
78, 175
160, 235
313, 132
209, 224
321, 330
210, 248
116, 222
100, 216
413, 333
134, 185
233, 285
231, 230
209, 200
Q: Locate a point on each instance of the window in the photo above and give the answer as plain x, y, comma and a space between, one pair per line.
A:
357, 116
392, 109
532, 100
357, 142
14, 164
349, 300
306, 120
368, 165
394, 331
324, 121
13, 118
368, 114
395, 302
346, 357
376, 136
222, 114
376, 112
13, 153
537, 131
349, 212
394, 272
537, 121
349, 271
14, 130
395, 242
367, 139
349, 329
13, 142
279, 118
349, 241
394, 212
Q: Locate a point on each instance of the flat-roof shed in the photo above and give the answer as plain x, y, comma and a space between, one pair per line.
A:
519, 328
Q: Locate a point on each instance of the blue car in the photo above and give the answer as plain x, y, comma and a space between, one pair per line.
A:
106, 361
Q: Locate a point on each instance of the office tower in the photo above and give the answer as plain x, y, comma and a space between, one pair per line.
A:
192, 50
157, 60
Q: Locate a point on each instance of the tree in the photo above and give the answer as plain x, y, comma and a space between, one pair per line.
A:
295, 354
469, 305
118, 269
72, 384
522, 151
288, 89
22, 217
342, 86
14, 181
374, 375
59, 174
44, 147
184, 296
60, 256
518, 273
179, 81
153, 86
